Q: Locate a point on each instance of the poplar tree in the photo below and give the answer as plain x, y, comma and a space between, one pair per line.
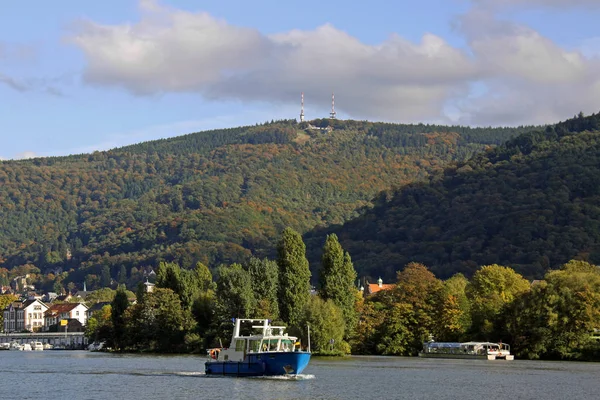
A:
265, 278
294, 276
118, 307
337, 280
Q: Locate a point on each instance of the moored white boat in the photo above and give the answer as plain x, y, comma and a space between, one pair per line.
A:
270, 352
26, 347
37, 346
5, 346
16, 346
469, 350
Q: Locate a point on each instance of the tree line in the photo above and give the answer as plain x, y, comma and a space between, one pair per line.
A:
554, 318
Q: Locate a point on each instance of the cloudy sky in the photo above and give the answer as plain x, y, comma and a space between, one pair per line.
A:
82, 76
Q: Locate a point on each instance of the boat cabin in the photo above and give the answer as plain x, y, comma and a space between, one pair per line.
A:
270, 339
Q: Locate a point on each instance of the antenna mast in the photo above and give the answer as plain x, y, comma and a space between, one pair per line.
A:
332, 113
302, 108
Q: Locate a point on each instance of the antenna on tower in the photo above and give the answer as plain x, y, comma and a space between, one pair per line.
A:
302, 108
332, 113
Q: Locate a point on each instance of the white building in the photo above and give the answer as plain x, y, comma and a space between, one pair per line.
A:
65, 311
27, 316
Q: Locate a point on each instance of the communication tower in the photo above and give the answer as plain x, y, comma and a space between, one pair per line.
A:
332, 113
302, 107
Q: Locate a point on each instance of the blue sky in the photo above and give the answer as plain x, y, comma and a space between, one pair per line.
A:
82, 76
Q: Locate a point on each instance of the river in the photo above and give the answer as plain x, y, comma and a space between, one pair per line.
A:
77, 375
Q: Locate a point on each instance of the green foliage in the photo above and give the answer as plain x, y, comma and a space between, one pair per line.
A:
326, 322
159, 323
557, 318
531, 203
337, 280
5, 300
101, 295
264, 275
119, 305
492, 288
105, 278
168, 276
212, 197
234, 292
294, 276
454, 312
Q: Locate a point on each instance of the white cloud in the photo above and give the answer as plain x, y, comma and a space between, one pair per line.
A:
529, 78
171, 50
526, 77
25, 155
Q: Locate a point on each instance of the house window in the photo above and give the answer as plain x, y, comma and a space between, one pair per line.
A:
77, 313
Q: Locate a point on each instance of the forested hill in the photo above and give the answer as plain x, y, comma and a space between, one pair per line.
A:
214, 196
531, 204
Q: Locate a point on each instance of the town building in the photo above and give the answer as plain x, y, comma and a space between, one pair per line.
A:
66, 311
373, 288
24, 316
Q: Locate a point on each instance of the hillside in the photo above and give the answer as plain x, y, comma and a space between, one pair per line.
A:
532, 203
214, 196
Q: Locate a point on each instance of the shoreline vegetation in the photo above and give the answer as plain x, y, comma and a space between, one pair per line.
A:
188, 312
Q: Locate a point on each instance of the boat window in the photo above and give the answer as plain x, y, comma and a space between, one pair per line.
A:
273, 344
287, 345
240, 345
254, 346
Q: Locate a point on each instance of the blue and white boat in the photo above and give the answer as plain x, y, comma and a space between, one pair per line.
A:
269, 352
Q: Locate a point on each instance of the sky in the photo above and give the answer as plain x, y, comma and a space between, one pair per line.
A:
77, 77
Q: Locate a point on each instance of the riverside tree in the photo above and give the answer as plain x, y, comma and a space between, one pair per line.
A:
294, 276
264, 275
119, 306
492, 288
337, 279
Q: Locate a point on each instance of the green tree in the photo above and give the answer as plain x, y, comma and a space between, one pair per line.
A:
492, 288
234, 292
122, 277
105, 276
168, 276
337, 280
556, 319
119, 306
326, 322
454, 311
5, 300
159, 323
294, 276
264, 275
204, 277
416, 299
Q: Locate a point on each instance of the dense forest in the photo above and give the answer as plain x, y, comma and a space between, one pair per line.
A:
532, 203
212, 197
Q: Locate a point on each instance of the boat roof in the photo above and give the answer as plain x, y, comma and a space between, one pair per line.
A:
458, 344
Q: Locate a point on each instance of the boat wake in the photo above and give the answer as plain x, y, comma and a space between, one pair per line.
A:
189, 373
299, 377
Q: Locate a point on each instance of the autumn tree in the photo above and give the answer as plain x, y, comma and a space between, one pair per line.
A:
5, 301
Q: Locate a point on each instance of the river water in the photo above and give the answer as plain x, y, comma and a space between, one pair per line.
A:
77, 375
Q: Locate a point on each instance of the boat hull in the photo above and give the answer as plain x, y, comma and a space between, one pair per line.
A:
261, 364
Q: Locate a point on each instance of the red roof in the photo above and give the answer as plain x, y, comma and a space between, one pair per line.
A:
374, 287
61, 308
